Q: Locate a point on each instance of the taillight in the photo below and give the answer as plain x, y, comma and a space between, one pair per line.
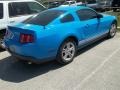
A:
26, 38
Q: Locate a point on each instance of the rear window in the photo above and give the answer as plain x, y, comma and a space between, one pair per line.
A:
1, 10
44, 18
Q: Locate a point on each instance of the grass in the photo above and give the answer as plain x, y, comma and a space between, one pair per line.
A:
117, 14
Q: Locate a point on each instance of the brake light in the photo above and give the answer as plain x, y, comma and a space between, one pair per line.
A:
26, 38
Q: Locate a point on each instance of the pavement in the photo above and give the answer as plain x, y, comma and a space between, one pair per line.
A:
96, 67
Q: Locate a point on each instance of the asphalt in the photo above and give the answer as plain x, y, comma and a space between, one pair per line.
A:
96, 67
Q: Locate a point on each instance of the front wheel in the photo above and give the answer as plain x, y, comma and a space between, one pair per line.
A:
112, 31
67, 52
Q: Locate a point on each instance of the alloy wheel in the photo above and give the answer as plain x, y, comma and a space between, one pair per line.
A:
68, 51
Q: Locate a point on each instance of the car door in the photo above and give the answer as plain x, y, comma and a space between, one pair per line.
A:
19, 11
89, 23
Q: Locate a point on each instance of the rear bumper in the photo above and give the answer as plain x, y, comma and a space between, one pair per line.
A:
29, 58
31, 52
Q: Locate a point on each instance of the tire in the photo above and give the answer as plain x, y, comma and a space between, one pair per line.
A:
66, 52
2, 34
2, 45
114, 10
112, 31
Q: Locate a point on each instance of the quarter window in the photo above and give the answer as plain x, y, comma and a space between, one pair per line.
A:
86, 14
1, 10
67, 18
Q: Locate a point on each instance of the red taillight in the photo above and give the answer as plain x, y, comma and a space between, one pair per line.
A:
26, 38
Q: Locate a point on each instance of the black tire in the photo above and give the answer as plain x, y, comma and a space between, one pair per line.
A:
114, 10
2, 45
60, 58
113, 30
2, 34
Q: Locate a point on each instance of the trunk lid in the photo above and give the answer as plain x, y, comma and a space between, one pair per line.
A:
13, 33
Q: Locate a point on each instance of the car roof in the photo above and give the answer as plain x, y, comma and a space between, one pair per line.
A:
70, 8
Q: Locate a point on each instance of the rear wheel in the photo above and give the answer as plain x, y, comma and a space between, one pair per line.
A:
67, 52
112, 31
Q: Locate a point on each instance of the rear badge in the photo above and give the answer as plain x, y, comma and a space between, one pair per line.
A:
10, 35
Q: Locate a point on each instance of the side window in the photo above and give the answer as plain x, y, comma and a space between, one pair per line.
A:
67, 18
86, 14
35, 7
18, 8
1, 10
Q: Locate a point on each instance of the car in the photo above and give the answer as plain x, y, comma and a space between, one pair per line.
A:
115, 5
14, 11
57, 34
53, 4
71, 3
92, 4
104, 5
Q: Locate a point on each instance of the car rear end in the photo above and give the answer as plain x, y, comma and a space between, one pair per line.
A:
23, 42
34, 39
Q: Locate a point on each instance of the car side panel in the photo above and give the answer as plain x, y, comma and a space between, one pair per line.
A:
105, 23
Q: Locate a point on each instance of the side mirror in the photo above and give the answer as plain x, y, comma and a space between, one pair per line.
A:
99, 16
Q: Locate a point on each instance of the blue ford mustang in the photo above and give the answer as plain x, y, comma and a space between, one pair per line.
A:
56, 34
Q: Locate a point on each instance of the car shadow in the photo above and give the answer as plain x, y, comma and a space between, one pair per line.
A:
15, 71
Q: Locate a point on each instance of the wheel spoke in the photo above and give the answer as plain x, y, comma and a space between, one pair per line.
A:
70, 55
71, 49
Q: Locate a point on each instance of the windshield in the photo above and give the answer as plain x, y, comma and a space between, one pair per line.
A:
44, 18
